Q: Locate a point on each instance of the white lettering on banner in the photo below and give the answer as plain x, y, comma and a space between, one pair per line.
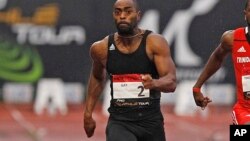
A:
3, 3
178, 28
150, 20
243, 59
41, 35
50, 96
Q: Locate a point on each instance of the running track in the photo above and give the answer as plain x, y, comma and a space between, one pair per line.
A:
19, 123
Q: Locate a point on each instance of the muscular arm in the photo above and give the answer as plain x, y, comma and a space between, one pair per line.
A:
213, 64
95, 87
160, 51
96, 84
216, 59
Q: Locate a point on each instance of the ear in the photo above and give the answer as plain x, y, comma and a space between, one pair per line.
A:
113, 14
245, 12
139, 16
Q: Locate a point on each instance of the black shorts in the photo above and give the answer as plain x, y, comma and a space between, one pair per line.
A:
143, 130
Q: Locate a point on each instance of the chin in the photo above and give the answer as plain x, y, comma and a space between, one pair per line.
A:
124, 32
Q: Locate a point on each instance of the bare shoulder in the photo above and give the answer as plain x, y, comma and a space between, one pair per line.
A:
98, 49
157, 41
155, 38
227, 38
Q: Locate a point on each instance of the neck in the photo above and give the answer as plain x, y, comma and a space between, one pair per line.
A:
139, 32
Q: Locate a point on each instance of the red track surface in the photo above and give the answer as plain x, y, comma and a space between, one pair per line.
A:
19, 123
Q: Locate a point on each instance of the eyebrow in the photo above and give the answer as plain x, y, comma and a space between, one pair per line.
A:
125, 8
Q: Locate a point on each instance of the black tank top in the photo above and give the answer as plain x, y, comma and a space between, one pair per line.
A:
120, 64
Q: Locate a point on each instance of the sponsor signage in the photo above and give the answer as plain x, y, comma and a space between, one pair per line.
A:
51, 39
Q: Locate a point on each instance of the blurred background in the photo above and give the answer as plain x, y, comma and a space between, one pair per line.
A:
45, 64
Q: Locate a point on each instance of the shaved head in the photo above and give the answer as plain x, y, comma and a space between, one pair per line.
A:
135, 3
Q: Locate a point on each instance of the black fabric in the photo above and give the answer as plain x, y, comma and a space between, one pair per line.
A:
136, 62
139, 123
145, 130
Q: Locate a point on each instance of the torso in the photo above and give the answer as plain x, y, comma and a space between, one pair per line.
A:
241, 60
128, 47
127, 61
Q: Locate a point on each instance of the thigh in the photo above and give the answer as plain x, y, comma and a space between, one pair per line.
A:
152, 129
159, 133
155, 133
116, 131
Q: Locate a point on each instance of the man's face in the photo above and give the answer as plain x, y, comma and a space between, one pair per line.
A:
126, 17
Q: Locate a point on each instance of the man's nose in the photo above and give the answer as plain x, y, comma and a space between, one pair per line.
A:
123, 15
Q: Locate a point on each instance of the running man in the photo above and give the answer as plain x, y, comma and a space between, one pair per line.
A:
139, 65
235, 42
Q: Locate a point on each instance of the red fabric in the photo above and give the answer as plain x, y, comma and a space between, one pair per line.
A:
241, 61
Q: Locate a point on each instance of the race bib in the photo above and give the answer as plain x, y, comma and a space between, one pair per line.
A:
128, 91
246, 83
129, 86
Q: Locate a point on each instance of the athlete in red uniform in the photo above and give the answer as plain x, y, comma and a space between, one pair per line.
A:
237, 43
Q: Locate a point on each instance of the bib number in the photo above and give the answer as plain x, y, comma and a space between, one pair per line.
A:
129, 86
128, 91
246, 83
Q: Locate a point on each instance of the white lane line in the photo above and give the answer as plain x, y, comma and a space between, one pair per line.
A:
34, 133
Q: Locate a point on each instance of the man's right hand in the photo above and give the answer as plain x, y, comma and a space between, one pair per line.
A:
89, 126
200, 100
